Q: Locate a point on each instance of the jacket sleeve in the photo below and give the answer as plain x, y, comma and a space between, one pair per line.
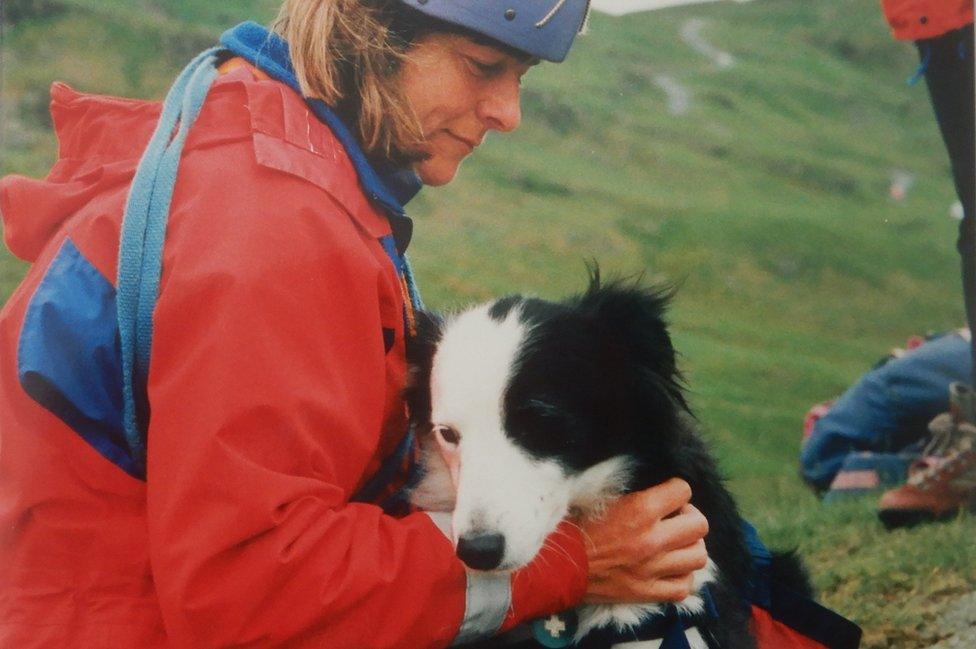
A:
267, 392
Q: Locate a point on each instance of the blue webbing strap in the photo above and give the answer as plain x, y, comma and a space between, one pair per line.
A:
143, 231
923, 65
418, 303
388, 471
140, 258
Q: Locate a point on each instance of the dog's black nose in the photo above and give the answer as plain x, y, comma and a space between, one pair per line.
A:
481, 552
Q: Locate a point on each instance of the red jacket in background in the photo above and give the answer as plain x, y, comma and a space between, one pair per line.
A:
915, 20
274, 389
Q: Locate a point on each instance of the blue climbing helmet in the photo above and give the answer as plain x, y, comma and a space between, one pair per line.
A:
540, 28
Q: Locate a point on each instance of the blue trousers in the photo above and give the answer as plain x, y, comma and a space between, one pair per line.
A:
888, 408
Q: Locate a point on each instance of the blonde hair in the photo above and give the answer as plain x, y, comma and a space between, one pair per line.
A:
348, 53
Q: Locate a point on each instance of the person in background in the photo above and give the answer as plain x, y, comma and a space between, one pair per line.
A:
945, 478
866, 439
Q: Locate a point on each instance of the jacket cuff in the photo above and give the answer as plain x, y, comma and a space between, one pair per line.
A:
487, 600
495, 602
487, 596
554, 581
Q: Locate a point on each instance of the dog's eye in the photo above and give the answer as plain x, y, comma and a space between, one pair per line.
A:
448, 435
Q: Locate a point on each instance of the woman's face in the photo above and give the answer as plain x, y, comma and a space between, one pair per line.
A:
459, 90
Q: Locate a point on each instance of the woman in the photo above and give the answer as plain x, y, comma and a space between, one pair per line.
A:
277, 357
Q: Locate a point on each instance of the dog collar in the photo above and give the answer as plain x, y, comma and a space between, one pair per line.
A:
669, 626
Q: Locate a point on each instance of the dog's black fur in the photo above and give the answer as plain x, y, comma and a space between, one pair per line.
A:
605, 360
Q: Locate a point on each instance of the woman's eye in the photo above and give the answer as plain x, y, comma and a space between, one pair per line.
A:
486, 69
448, 435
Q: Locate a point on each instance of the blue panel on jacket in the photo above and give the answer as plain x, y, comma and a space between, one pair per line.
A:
68, 354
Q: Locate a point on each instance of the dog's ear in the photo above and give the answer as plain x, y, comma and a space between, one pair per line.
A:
502, 307
420, 347
420, 355
632, 333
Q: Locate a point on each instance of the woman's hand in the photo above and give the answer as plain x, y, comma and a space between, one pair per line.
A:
646, 546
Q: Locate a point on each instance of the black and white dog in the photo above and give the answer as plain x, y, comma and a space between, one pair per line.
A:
553, 408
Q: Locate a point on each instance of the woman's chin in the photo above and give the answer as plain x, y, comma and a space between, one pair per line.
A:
435, 172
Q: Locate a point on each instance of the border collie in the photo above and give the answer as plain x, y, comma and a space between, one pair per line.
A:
552, 408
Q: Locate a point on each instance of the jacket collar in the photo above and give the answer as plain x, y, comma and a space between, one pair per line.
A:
384, 184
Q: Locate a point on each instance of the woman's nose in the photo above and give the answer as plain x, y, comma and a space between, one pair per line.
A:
500, 110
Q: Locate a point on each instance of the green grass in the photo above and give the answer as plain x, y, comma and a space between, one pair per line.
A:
767, 203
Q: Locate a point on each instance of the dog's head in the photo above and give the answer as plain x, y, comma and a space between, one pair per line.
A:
539, 407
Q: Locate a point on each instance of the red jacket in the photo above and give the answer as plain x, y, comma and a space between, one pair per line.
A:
274, 395
915, 20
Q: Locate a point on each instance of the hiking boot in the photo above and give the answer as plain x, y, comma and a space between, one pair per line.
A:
944, 479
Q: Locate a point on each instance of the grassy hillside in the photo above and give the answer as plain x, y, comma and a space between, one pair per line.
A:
767, 202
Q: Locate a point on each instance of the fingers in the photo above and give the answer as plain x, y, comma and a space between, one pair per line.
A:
643, 509
687, 528
667, 576
670, 590
671, 546
647, 546
626, 538
661, 500
634, 590
677, 563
